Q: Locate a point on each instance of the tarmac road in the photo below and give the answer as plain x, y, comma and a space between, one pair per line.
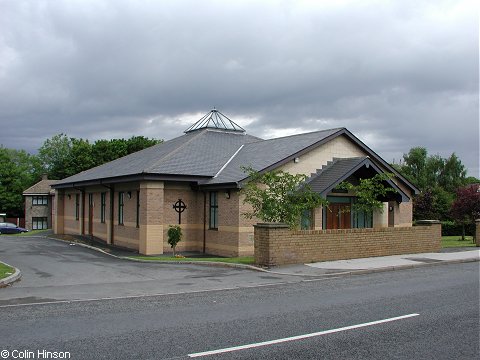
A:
420, 313
54, 270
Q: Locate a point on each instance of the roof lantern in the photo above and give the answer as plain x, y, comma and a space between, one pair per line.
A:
215, 120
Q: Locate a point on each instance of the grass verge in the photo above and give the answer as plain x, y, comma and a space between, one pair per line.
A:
5, 270
247, 260
456, 241
32, 232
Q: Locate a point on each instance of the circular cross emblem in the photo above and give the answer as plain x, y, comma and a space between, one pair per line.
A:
179, 207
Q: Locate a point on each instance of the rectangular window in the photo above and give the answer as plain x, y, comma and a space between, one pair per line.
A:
103, 205
138, 209
120, 207
213, 210
362, 219
77, 206
39, 223
307, 220
40, 200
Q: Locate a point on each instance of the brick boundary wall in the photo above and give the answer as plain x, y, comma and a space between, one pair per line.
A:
276, 245
477, 232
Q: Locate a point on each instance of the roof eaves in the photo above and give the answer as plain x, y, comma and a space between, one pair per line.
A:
131, 178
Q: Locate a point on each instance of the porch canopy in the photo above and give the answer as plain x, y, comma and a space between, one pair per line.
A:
351, 169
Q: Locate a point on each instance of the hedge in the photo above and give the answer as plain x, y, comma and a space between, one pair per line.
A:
450, 228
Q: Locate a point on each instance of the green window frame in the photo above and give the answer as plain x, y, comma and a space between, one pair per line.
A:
77, 206
138, 209
103, 206
213, 221
121, 203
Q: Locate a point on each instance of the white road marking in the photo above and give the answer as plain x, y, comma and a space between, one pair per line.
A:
299, 337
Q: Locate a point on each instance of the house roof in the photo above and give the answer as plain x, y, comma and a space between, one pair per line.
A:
213, 157
266, 154
43, 187
340, 169
196, 154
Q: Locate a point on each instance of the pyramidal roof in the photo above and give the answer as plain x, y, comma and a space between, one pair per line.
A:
215, 120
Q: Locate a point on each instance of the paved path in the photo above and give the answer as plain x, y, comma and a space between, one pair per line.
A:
382, 263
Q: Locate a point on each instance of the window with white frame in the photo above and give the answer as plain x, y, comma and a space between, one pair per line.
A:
39, 223
40, 200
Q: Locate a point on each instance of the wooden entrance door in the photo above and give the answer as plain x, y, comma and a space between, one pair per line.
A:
339, 216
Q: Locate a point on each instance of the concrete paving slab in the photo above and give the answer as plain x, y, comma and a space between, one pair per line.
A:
366, 263
379, 263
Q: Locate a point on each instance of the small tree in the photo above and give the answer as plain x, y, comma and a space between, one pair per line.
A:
279, 196
174, 236
368, 192
466, 207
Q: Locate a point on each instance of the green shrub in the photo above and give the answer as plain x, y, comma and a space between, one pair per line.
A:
450, 228
174, 236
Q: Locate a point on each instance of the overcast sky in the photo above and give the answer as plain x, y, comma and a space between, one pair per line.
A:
397, 74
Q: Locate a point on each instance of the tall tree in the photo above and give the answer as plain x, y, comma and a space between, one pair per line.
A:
466, 207
18, 171
453, 175
437, 178
55, 154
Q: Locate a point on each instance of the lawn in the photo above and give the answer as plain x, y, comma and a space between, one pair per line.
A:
30, 233
456, 241
247, 260
6, 270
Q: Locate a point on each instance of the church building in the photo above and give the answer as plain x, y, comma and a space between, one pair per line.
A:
194, 180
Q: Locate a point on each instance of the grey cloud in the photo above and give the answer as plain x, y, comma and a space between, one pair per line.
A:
399, 74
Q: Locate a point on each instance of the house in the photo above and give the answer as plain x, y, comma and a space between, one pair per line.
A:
40, 205
194, 180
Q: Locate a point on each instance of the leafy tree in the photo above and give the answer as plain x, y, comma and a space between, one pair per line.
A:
466, 207
369, 193
453, 174
18, 171
174, 234
62, 156
104, 151
54, 155
432, 204
80, 158
279, 196
137, 143
437, 178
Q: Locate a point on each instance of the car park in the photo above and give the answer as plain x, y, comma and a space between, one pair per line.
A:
9, 228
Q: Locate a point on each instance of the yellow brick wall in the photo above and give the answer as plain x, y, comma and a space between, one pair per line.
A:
279, 245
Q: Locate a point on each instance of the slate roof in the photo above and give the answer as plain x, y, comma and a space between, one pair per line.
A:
43, 187
261, 155
214, 158
197, 154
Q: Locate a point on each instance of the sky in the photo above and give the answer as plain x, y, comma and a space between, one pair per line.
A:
397, 74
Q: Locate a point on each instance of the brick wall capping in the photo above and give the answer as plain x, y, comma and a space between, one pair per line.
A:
272, 225
427, 222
